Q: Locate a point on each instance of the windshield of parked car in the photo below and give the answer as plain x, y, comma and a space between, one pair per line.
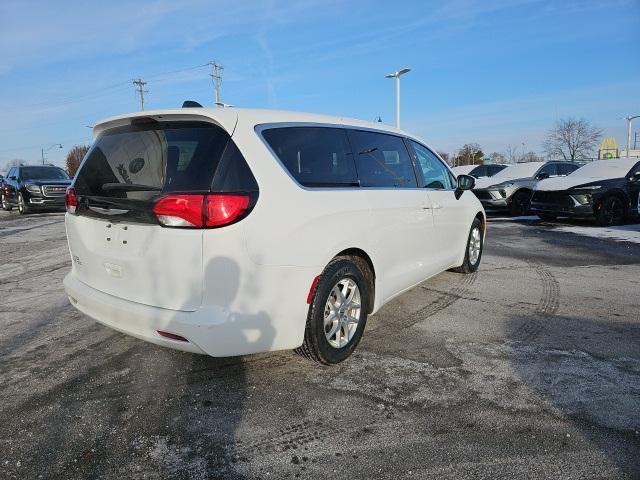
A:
519, 170
43, 173
606, 168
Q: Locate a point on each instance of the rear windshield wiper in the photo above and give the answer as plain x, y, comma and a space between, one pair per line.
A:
130, 187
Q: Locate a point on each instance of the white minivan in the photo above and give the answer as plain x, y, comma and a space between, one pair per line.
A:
228, 231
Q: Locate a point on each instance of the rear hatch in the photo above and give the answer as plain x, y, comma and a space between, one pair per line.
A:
117, 244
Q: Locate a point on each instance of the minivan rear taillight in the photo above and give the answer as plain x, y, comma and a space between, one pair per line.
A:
71, 200
201, 211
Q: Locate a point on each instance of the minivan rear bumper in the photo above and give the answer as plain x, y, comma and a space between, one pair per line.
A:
135, 319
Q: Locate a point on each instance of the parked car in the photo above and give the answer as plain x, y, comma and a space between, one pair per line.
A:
462, 169
34, 188
230, 231
479, 171
511, 188
607, 190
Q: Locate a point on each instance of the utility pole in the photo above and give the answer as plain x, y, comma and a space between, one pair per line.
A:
216, 78
139, 83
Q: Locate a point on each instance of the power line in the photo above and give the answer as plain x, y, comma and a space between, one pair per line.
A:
139, 83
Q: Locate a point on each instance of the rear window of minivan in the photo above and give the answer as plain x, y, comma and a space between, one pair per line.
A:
137, 161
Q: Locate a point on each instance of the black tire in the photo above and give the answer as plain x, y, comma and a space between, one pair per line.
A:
5, 204
611, 211
23, 208
468, 266
316, 345
520, 203
547, 217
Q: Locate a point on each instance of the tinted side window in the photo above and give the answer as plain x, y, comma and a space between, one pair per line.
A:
479, 171
493, 169
549, 169
566, 168
233, 173
314, 156
382, 160
434, 173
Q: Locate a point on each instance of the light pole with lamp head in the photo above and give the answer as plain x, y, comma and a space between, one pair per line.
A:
397, 75
42, 150
628, 118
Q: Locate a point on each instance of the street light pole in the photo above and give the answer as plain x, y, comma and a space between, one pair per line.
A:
42, 150
397, 75
628, 118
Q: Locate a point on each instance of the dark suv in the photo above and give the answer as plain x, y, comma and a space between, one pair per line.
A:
34, 188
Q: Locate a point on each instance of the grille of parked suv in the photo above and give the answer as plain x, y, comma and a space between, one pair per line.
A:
54, 190
556, 198
483, 195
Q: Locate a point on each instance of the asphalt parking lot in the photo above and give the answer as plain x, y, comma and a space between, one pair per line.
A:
529, 368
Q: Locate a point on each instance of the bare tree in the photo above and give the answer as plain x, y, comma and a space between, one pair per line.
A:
512, 154
572, 139
74, 157
531, 157
444, 156
16, 162
470, 154
497, 157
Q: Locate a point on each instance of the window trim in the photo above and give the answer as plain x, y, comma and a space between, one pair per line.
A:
259, 128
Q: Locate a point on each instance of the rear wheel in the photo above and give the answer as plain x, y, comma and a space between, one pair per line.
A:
5, 203
473, 252
23, 209
338, 313
611, 211
520, 203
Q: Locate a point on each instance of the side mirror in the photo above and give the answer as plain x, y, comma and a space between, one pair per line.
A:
466, 182
12, 177
542, 175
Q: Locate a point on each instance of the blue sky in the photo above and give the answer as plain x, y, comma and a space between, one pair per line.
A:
496, 72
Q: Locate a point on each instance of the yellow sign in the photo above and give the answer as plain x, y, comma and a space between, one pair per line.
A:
608, 149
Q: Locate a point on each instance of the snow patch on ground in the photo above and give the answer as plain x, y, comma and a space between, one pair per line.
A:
623, 233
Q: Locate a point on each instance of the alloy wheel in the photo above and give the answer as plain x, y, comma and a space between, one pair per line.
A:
613, 211
475, 245
342, 313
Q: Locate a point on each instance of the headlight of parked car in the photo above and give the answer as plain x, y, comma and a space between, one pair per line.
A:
33, 188
583, 199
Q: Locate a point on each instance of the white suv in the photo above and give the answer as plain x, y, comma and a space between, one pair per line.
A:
228, 231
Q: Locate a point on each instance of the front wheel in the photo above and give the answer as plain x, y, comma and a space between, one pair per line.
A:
611, 211
23, 209
5, 204
473, 252
520, 203
338, 313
